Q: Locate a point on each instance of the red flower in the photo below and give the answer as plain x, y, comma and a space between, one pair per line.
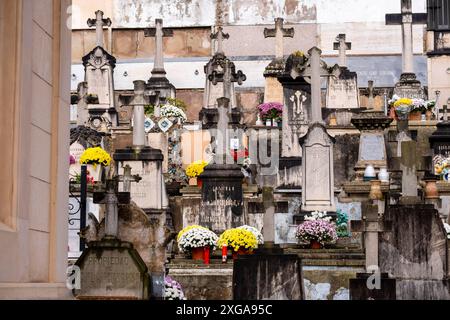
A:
239, 154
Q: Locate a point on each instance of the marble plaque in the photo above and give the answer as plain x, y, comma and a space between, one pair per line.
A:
149, 193
372, 147
342, 93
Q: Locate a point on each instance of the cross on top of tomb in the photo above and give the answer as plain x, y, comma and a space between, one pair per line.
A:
342, 46
159, 33
279, 33
99, 23
219, 36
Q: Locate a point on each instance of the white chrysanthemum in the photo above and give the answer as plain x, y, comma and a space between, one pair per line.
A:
169, 111
197, 238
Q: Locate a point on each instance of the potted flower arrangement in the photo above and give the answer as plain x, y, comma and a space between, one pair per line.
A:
317, 230
271, 112
442, 167
240, 240
173, 113
95, 159
172, 289
256, 233
196, 239
412, 109
194, 170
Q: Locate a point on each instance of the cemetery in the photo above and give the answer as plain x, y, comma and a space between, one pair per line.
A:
247, 155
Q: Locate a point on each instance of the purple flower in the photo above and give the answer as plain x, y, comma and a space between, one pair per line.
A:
72, 159
318, 230
271, 110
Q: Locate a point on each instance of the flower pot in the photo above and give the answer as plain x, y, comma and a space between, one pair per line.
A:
431, 190
369, 173
193, 181
315, 244
241, 251
95, 171
268, 123
415, 116
198, 253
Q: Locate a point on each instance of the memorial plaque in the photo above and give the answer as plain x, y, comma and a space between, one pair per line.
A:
112, 269
372, 147
99, 81
342, 93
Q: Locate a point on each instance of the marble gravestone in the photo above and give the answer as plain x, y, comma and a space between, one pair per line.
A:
112, 269
76, 150
342, 91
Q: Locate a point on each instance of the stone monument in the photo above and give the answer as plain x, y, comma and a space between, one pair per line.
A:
342, 91
408, 86
158, 86
99, 68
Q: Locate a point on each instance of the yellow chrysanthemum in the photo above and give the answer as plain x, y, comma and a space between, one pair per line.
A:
403, 101
187, 229
238, 238
196, 168
95, 156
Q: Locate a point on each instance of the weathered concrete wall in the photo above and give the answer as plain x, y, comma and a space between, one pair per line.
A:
415, 252
345, 157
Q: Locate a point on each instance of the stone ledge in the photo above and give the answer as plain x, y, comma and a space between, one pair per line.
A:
333, 262
35, 291
362, 187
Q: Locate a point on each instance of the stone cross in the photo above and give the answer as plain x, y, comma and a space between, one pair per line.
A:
158, 32
127, 178
342, 46
99, 23
371, 225
316, 69
406, 19
370, 91
219, 36
111, 198
279, 33
138, 115
228, 76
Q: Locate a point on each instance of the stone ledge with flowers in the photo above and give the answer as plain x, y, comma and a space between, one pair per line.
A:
411, 109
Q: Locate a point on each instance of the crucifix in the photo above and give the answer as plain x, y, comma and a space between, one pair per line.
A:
111, 198
99, 23
371, 225
127, 178
342, 46
159, 33
406, 19
315, 69
279, 33
219, 36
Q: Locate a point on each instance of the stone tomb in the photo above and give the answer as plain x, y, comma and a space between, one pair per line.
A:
318, 173
342, 92
112, 269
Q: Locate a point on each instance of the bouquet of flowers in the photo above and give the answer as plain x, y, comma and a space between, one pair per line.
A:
196, 168
317, 227
172, 290
271, 110
256, 233
95, 156
442, 166
171, 111
238, 238
196, 237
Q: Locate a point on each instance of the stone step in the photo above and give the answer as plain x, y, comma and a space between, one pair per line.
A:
334, 262
323, 256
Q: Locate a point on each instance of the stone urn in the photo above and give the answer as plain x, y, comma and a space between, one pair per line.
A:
95, 171
375, 190
431, 190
